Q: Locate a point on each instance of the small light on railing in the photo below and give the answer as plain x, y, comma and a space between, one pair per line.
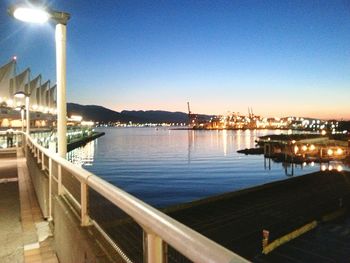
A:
330, 167
323, 167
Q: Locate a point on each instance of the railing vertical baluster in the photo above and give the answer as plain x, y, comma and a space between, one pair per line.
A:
59, 171
84, 204
154, 248
42, 161
50, 189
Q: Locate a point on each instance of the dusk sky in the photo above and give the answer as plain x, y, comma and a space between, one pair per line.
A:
280, 57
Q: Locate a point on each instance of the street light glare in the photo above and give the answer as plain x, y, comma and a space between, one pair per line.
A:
31, 15
19, 95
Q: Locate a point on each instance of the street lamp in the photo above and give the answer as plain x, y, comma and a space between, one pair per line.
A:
21, 109
21, 95
40, 14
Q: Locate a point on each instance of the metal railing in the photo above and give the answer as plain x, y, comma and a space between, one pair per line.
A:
159, 229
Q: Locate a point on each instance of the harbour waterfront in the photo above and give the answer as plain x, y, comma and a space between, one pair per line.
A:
164, 167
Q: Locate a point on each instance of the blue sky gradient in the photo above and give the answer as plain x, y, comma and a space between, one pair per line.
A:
279, 57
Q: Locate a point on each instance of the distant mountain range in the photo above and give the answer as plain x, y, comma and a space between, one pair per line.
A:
102, 114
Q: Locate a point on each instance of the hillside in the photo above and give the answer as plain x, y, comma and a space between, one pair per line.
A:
102, 114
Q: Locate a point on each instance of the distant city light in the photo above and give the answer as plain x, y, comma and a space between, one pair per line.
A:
87, 123
76, 118
296, 149
339, 151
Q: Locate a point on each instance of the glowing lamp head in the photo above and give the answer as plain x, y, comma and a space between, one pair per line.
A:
304, 148
20, 95
312, 147
30, 14
330, 152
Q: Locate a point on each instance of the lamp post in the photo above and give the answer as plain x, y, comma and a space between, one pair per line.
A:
40, 14
21, 109
21, 95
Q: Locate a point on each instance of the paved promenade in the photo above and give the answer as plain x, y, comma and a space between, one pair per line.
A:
24, 234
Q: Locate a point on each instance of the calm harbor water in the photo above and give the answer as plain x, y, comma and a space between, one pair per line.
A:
165, 167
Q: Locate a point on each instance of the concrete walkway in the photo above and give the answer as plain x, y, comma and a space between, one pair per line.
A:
24, 234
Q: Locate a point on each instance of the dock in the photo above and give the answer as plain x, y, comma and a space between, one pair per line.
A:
236, 220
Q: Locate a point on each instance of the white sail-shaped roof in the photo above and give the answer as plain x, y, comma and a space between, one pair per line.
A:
19, 82
51, 97
41, 95
6, 73
32, 89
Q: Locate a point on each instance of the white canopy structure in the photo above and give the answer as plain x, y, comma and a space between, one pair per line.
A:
51, 97
41, 96
7, 72
32, 89
19, 82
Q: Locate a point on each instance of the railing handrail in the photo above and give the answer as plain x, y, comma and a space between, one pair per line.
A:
188, 242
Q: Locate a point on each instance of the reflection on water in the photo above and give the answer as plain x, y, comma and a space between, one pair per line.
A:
165, 167
83, 156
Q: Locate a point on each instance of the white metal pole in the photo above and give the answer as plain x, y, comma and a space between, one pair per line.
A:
61, 89
22, 119
27, 115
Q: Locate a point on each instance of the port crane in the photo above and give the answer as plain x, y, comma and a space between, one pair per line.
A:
191, 117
